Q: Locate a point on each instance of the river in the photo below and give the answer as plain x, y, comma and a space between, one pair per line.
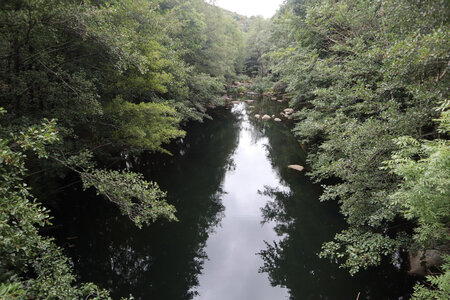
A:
249, 227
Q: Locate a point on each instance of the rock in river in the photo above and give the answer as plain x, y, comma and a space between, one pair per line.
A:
266, 117
277, 120
296, 167
257, 116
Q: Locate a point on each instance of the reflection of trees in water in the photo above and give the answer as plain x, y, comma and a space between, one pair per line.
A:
259, 127
274, 211
161, 261
292, 262
304, 224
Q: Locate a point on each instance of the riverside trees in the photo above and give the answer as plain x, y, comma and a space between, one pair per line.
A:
112, 77
369, 79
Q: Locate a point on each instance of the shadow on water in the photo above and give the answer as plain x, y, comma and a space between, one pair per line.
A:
227, 230
161, 261
305, 224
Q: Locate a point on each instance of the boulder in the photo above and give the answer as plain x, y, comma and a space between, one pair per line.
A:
287, 96
235, 102
277, 120
266, 117
296, 167
251, 106
280, 101
252, 93
274, 98
273, 116
249, 101
257, 116
288, 111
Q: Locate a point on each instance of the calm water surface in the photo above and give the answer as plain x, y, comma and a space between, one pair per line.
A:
249, 227
232, 268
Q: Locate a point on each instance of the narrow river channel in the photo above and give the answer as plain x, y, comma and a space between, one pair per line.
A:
232, 268
249, 227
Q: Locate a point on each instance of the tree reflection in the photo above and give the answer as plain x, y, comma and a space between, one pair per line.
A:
161, 261
304, 224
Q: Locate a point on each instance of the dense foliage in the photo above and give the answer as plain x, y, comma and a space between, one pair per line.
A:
114, 78
31, 265
368, 80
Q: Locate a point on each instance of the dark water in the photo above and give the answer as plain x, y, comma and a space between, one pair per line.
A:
250, 228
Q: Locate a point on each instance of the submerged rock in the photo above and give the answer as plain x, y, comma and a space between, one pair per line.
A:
296, 167
266, 117
288, 111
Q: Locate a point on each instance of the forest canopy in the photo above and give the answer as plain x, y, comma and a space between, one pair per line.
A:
82, 82
369, 81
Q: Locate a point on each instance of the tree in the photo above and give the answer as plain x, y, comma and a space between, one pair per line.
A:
32, 266
364, 74
120, 77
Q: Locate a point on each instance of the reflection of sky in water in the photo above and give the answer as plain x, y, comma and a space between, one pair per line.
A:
213, 178
232, 269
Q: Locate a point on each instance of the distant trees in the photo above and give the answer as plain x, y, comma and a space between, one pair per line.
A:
257, 47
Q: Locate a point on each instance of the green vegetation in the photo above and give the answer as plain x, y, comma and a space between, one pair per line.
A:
368, 79
113, 78
369, 82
